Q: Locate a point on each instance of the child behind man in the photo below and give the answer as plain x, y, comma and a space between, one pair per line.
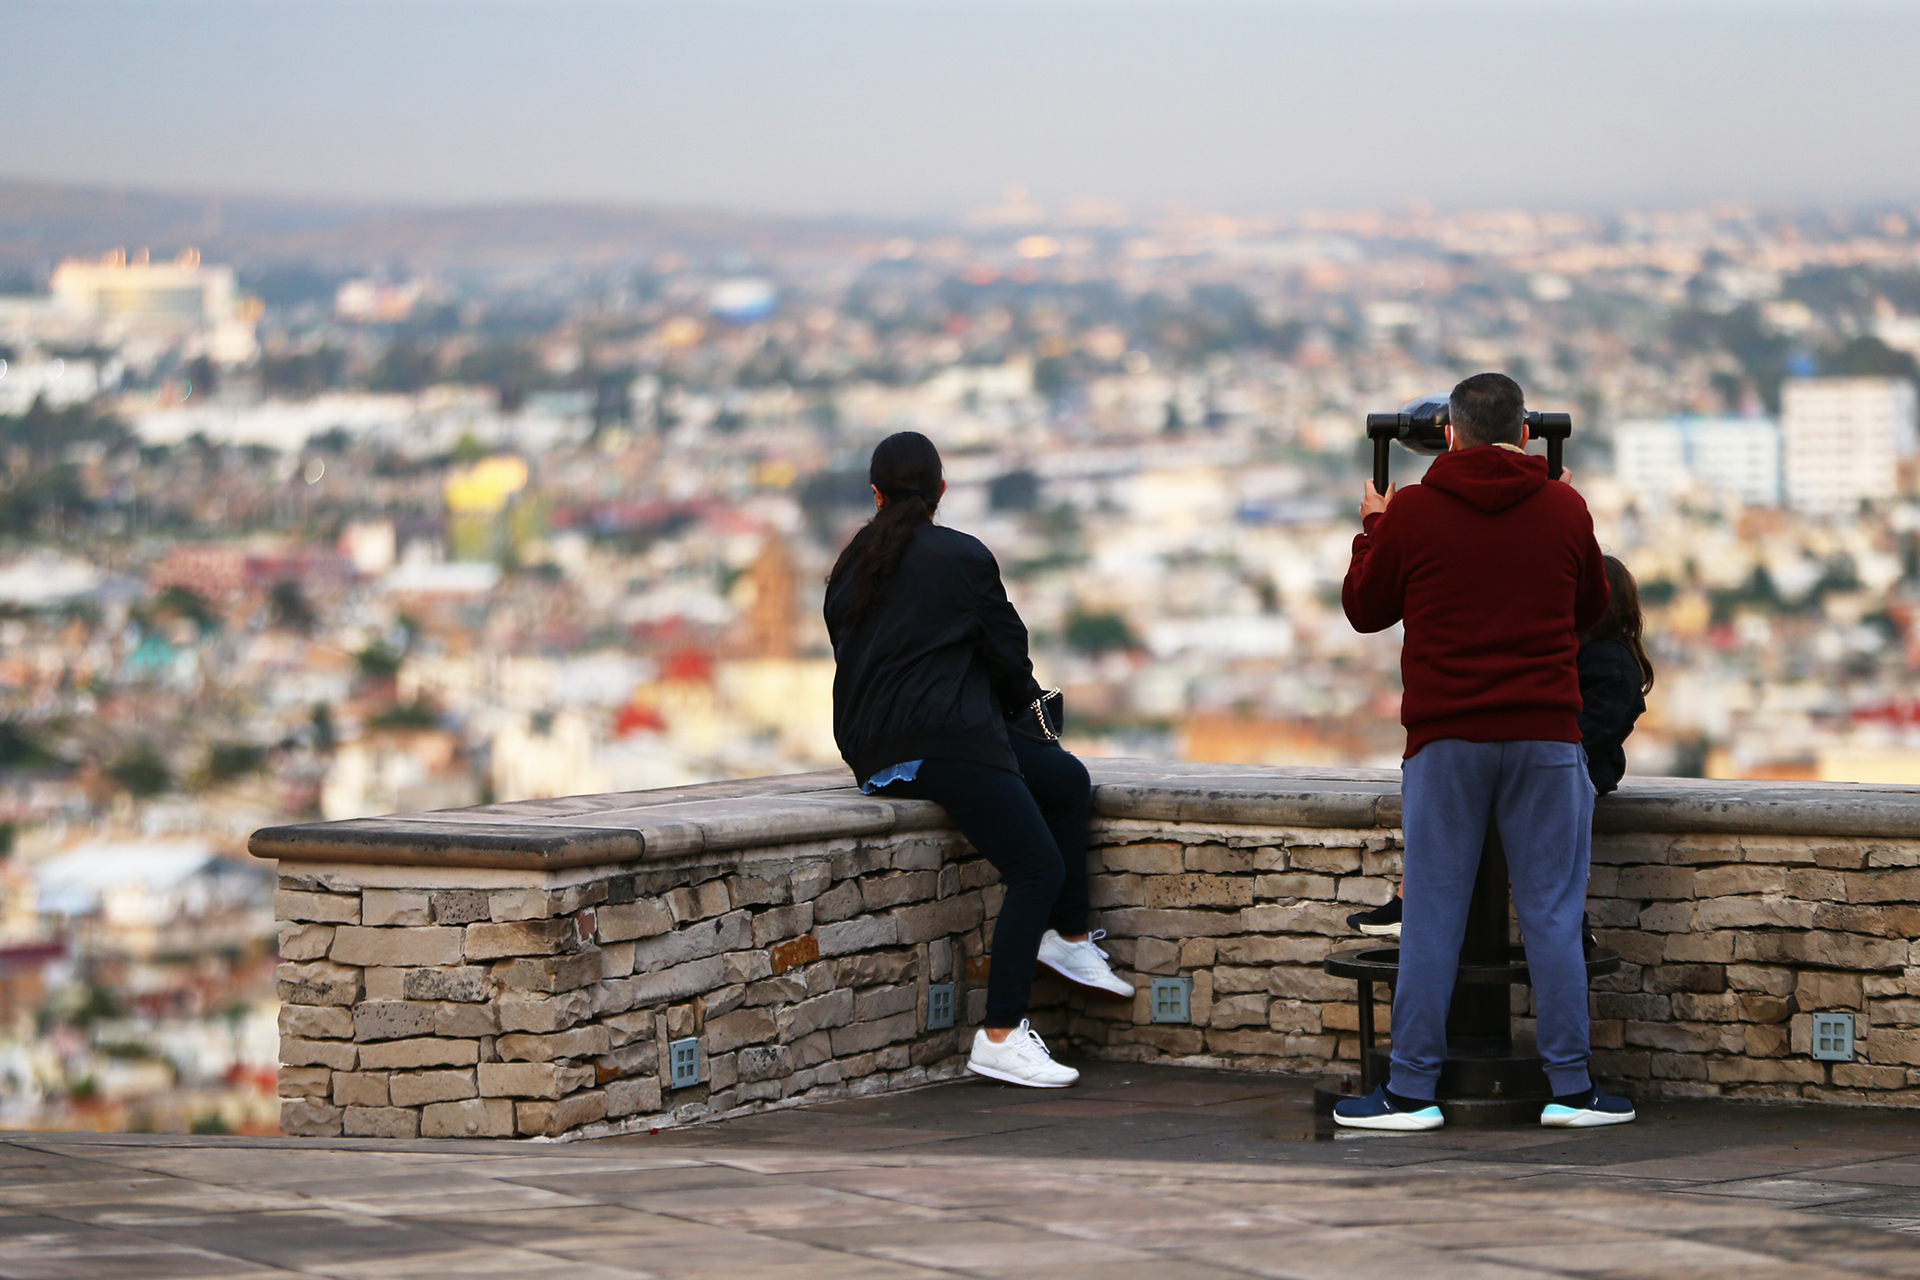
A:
1615, 677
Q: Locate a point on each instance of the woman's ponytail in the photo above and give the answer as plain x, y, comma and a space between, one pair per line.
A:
906, 471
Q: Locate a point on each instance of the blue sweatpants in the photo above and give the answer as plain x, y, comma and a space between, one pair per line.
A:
1540, 795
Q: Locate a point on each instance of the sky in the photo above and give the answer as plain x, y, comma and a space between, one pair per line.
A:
915, 107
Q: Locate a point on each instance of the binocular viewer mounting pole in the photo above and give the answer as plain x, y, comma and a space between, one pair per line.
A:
1423, 430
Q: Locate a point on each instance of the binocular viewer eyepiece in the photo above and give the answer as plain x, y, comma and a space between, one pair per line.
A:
1421, 428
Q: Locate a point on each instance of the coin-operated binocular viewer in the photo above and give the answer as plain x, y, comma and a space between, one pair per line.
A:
1421, 427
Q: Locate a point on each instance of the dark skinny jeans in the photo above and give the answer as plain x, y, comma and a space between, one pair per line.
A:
1033, 829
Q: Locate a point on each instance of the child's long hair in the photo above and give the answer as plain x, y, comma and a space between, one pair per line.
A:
906, 470
1623, 621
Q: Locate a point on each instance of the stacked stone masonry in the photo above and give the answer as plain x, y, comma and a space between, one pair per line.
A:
424, 997
1730, 945
1733, 942
458, 1012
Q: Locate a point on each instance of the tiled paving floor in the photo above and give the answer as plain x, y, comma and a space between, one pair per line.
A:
1141, 1173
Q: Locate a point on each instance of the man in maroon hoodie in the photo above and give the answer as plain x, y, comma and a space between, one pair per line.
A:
1494, 570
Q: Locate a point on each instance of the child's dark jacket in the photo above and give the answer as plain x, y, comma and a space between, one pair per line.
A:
1493, 568
1610, 688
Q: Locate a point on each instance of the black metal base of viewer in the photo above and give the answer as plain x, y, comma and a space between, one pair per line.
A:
1489, 1078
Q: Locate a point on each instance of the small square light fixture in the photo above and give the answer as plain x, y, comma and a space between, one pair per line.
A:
1172, 999
940, 1006
683, 1062
1833, 1037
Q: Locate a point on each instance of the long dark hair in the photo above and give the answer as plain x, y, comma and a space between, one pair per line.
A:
906, 471
1623, 621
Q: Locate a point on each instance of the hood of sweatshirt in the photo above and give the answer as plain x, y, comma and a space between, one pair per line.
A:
1487, 478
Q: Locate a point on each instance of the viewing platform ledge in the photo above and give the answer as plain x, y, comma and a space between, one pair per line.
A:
535, 968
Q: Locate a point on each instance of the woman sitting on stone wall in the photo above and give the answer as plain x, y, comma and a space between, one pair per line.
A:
930, 664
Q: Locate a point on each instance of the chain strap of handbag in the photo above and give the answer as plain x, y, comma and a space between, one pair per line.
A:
1041, 727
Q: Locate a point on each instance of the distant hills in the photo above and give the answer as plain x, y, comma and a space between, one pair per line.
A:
40, 223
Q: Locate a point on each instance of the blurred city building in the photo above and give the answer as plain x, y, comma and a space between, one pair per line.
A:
134, 297
1843, 440
54, 381
1738, 456
377, 301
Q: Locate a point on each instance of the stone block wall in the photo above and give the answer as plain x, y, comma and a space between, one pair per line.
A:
1248, 914
414, 1004
520, 970
1732, 943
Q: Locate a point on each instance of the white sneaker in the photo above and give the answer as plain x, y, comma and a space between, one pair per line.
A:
1021, 1058
1082, 963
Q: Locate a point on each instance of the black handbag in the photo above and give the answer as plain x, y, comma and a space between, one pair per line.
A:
1041, 719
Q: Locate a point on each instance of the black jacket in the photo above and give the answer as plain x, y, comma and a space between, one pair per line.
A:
1610, 682
934, 668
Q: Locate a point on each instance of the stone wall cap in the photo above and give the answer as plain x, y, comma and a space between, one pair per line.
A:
596, 830
718, 817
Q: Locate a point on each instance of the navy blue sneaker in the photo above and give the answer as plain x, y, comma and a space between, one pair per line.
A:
1376, 1111
1599, 1109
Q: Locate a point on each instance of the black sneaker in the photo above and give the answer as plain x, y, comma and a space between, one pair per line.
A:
1381, 922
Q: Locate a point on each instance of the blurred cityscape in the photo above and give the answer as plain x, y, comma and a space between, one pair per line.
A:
330, 512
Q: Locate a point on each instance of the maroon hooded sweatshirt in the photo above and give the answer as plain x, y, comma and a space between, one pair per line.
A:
1494, 569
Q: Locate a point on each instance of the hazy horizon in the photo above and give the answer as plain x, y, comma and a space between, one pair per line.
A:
931, 107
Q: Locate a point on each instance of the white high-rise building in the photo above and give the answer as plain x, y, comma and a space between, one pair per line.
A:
1737, 455
1650, 458
180, 302
1726, 455
1842, 440
182, 293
